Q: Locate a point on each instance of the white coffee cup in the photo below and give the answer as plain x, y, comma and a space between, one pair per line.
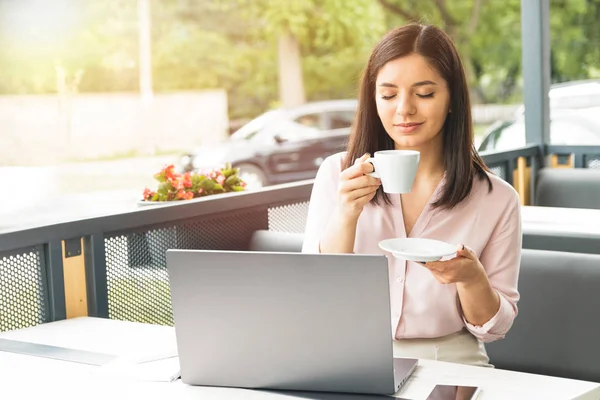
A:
396, 169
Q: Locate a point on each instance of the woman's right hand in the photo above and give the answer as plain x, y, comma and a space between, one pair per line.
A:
355, 188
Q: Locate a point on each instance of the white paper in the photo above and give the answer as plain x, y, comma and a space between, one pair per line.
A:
163, 370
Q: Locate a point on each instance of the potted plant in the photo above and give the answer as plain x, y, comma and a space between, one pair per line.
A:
173, 186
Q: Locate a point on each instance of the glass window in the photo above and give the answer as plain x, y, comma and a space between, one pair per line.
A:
340, 119
511, 137
310, 120
249, 130
495, 131
563, 131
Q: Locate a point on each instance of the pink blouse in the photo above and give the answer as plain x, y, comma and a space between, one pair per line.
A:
487, 222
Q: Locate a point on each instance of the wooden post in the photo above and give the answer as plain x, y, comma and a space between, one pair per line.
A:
75, 280
554, 162
522, 181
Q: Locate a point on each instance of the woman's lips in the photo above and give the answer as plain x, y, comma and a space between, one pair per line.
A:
408, 127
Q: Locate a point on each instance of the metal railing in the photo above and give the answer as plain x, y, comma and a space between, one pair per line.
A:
123, 260
501, 163
123, 254
576, 156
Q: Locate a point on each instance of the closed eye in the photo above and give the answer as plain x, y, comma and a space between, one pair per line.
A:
423, 96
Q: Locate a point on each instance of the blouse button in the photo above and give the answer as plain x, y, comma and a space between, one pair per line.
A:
399, 279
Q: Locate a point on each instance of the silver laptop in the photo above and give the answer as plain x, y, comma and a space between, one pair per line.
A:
287, 321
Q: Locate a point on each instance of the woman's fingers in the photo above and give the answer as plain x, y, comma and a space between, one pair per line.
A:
464, 251
357, 193
356, 188
359, 168
362, 159
358, 183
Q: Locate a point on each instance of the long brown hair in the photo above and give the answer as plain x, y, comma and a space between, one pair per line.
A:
462, 163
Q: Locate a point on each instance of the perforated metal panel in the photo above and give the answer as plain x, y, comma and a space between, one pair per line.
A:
288, 218
22, 291
137, 292
593, 163
137, 278
499, 170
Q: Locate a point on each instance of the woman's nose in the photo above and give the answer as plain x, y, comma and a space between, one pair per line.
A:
405, 106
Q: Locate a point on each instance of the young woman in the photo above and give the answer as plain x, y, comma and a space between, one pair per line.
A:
414, 95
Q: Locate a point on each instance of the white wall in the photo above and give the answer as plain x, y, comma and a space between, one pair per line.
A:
46, 129
487, 113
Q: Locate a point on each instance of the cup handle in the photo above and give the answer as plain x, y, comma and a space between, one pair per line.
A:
374, 174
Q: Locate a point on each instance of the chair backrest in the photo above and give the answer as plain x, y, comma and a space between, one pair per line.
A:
557, 331
263, 240
568, 187
574, 241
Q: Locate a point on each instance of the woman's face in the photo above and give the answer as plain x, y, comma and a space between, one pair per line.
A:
412, 101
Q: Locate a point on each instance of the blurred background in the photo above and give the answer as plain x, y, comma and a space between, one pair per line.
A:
98, 95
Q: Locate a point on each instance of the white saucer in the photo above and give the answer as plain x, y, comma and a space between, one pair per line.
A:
418, 249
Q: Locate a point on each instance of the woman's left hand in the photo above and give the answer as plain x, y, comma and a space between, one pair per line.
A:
465, 268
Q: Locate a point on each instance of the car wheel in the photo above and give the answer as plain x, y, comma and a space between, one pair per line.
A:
253, 176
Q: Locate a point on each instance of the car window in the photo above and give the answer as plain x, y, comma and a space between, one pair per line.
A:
311, 120
340, 119
488, 142
249, 130
563, 131
511, 137
495, 130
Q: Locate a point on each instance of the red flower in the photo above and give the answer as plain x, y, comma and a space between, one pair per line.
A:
148, 194
169, 171
174, 186
177, 184
186, 180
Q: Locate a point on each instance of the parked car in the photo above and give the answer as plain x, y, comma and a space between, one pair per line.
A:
579, 126
282, 145
572, 94
575, 94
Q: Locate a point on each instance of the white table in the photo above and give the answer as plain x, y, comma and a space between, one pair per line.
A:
564, 220
22, 375
561, 229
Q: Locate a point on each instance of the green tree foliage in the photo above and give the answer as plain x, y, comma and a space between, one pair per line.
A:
232, 44
575, 39
488, 36
335, 37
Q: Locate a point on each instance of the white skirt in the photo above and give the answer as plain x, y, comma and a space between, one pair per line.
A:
459, 347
